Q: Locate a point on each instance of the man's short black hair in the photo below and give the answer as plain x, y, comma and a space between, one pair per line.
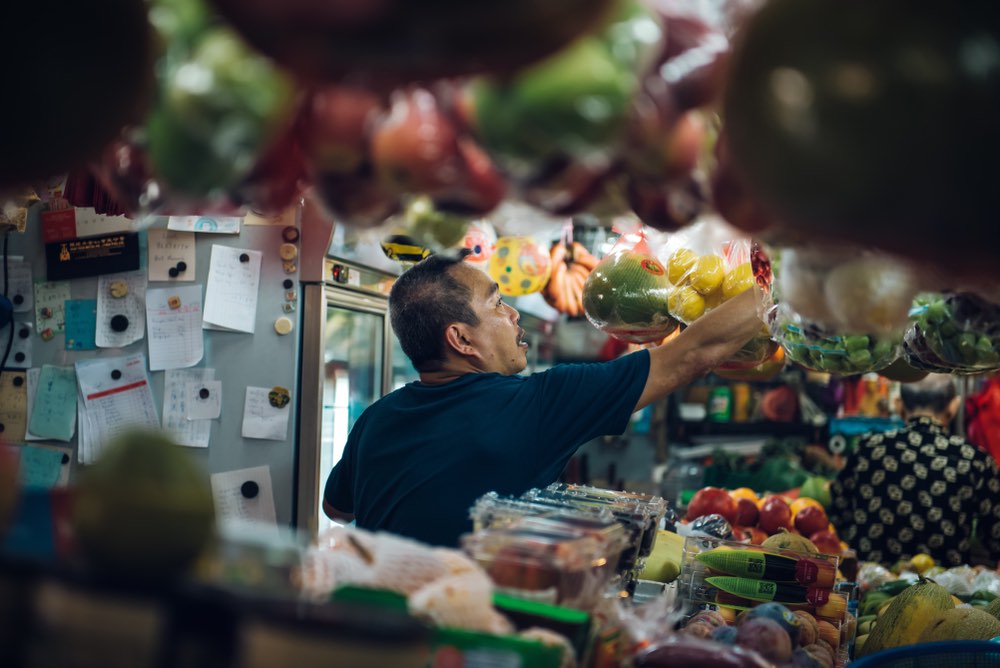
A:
934, 393
423, 301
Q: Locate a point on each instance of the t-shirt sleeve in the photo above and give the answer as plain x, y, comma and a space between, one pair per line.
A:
339, 489
575, 403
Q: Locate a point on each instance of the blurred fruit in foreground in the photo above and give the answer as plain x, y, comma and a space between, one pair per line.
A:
75, 81
10, 460
392, 41
144, 510
873, 123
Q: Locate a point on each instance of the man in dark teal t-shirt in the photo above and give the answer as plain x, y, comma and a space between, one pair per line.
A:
418, 458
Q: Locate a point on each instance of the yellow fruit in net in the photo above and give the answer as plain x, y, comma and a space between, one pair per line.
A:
686, 304
679, 264
739, 279
922, 562
708, 274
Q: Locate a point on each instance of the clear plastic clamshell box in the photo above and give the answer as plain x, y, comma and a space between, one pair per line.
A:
732, 577
545, 562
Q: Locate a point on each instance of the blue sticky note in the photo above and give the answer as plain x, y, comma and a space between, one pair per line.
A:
40, 467
81, 324
54, 412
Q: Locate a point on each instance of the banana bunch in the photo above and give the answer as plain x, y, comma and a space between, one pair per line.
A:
571, 265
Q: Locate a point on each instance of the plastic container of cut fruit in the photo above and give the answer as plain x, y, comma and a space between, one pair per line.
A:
953, 333
552, 565
815, 348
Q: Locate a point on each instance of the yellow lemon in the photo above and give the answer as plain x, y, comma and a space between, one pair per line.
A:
679, 264
739, 279
707, 275
686, 304
713, 299
921, 563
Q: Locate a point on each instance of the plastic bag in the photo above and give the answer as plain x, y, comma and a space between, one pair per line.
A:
953, 333
847, 289
626, 294
820, 349
709, 263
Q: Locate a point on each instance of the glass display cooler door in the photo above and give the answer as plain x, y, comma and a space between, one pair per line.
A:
354, 360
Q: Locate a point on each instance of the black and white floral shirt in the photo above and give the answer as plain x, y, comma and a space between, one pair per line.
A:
916, 490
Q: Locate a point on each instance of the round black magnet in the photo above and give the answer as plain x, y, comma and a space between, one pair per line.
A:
19, 356
119, 323
24, 333
290, 234
18, 381
182, 266
116, 374
203, 393
18, 300
65, 458
288, 284
249, 489
172, 272
244, 257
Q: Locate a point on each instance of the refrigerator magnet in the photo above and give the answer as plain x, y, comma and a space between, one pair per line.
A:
279, 396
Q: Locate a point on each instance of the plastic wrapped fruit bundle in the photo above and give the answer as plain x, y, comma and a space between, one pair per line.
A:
709, 263
953, 333
626, 294
822, 350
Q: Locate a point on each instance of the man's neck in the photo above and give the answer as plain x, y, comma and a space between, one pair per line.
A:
449, 371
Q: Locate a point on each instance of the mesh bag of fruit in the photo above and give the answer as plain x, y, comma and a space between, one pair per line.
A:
953, 333
626, 294
821, 349
709, 263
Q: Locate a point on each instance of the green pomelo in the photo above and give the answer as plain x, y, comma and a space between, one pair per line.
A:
144, 510
626, 296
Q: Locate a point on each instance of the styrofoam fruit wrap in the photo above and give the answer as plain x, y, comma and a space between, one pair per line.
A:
708, 264
848, 289
462, 601
953, 333
626, 294
821, 349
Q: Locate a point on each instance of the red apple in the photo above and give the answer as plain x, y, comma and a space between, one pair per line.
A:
775, 514
334, 127
747, 513
709, 501
826, 541
811, 520
751, 535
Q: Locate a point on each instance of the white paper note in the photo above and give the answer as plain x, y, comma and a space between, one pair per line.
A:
117, 397
19, 291
212, 224
167, 248
20, 350
130, 306
50, 309
261, 419
231, 295
204, 400
192, 433
244, 495
173, 317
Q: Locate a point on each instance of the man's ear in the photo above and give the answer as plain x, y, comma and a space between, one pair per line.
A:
456, 337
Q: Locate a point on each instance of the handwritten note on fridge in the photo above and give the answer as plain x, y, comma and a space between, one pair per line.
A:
116, 398
244, 495
43, 466
50, 299
231, 295
81, 324
14, 405
53, 411
121, 316
204, 400
176, 397
171, 250
261, 419
173, 317
18, 290
211, 224
20, 350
